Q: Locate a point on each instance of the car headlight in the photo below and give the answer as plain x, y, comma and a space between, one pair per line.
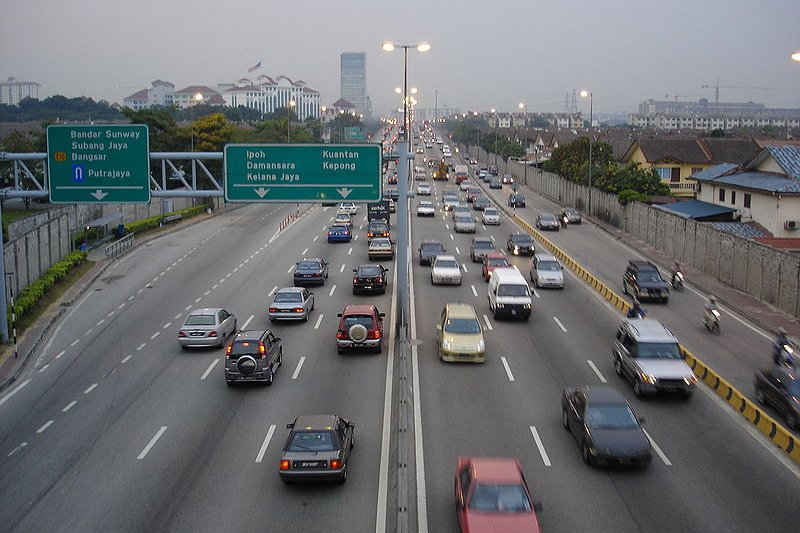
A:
480, 346
641, 291
648, 378
691, 380
446, 345
500, 306
526, 306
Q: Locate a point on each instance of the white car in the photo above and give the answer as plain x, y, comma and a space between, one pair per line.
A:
491, 216
380, 248
425, 209
461, 210
464, 224
351, 208
445, 271
466, 185
342, 218
424, 189
450, 203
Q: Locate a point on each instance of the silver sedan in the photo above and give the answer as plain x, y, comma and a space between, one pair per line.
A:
464, 224
206, 327
291, 303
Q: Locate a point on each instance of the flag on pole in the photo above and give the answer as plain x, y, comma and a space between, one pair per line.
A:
254, 67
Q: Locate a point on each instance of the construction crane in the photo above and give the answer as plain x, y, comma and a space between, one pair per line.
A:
717, 86
676, 96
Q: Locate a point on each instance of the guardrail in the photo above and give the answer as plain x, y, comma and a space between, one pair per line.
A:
779, 435
119, 247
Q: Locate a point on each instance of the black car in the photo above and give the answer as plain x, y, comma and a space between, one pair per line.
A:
428, 251
369, 278
253, 356
481, 203
317, 449
520, 244
391, 193
547, 221
643, 280
779, 386
378, 229
311, 271
516, 200
605, 427
495, 184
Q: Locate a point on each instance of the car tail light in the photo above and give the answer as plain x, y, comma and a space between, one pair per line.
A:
212, 333
274, 310
355, 279
374, 334
182, 334
378, 279
262, 349
335, 464
285, 464
298, 309
341, 334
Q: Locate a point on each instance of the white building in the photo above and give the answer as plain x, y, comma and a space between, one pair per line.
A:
13, 91
266, 95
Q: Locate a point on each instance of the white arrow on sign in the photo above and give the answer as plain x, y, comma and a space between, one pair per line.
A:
344, 192
99, 194
262, 192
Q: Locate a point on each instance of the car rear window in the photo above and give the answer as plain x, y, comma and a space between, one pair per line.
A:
447, 264
369, 271
288, 297
312, 441
484, 245
338, 228
352, 320
499, 262
431, 247
244, 347
462, 325
500, 498
200, 320
506, 289
308, 265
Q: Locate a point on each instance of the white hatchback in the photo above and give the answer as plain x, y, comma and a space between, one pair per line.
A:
424, 189
351, 208
445, 271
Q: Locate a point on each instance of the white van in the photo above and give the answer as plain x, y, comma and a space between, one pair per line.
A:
509, 294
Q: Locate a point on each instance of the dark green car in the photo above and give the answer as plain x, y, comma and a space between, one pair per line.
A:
317, 449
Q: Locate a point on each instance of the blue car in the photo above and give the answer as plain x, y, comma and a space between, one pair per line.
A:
339, 233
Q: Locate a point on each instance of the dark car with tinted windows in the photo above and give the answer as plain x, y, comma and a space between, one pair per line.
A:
643, 280
520, 243
516, 200
547, 221
317, 449
369, 279
253, 356
311, 272
779, 387
378, 229
428, 251
572, 214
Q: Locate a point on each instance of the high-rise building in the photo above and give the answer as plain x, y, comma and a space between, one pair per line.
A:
13, 91
353, 73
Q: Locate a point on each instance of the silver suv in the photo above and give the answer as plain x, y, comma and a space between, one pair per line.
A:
647, 354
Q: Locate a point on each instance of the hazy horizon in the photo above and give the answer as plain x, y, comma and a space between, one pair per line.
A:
482, 55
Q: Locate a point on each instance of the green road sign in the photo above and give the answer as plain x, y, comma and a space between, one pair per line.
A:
98, 164
291, 173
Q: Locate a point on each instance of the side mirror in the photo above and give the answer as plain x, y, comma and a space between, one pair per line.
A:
438, 327
641, 420
355, 270
537, 506
290, 425
339, 315
381, 315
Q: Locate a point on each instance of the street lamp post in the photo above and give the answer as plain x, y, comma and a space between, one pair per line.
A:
584, 94
402, 195
289, 118
796, 56
197, 98
494, 119
525, 142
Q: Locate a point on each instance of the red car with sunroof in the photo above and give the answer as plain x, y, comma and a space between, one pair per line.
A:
492, 496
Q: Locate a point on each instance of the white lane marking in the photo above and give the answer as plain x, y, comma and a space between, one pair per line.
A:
151, 443
304, 252
100, 322
326, 227
350, 250
447, 226
273, 237
76, 341
206, 293
236, 269
214, 286
5, 398
131, 297
15, 450
275, 288
69, 406
560, 324
62, 352
508, 368
208, 370
299, 366
474, 292
246, 322
154, 335
316, 237
264, 444
464, 266
539, 445
290, 269
342, 269
45, 367
488, 324
126, 359
458, 251
179, 314
120, 306
90, 388
657, 448
165, 326
111, 313
45, 426
332, 290
139, 348
319, 321
596, 371
451, 237
491, 237
196, 300
355, 238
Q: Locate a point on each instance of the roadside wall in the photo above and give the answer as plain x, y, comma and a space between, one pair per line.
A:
770, 275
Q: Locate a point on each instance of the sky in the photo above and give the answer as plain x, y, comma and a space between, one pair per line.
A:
484, 53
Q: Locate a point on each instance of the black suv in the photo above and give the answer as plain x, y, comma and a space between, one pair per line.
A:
253, 356
643, 280
428, 251
516, 200
369, 278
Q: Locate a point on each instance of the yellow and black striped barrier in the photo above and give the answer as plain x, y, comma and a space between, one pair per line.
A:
780, 436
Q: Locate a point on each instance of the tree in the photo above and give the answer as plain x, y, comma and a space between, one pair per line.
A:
161, 126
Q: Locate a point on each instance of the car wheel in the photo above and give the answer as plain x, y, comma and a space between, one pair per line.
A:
760, 396
564, 419
279, 361
343, 478
379, 348
618, 367
270, 376
587, 456
339, 350
637, 388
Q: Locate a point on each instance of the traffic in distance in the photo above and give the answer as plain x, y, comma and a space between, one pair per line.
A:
515, 359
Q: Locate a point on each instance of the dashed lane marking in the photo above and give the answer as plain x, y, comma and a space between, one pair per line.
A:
209, 369
540, 445
319, 321
45, 426
90, 388
69, 406
152, 443
265, 444
508, 368
299, 366
596, 371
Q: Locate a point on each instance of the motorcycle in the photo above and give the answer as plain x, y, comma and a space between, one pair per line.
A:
677, 281
711, 321
564, 221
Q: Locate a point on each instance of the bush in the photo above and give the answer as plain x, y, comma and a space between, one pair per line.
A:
149, 223
31, 294
629, 195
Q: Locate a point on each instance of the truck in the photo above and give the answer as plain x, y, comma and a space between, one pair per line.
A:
462, 173
441, 173
378, 212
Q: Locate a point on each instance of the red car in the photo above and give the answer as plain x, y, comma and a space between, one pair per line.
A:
360, 326
492, 496
392, 179
491, 261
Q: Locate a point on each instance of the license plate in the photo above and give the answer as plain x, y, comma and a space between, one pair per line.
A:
513, 311
367, 287
196, 334
310, 464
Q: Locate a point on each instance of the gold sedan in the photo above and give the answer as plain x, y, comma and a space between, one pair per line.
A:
459, 335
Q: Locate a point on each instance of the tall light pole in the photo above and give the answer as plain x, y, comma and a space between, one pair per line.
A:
796, 56
525, 142
196, 99
494, 119
289, 117
402, 195
584, 94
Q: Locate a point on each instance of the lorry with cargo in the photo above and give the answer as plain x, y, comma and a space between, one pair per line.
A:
462, 173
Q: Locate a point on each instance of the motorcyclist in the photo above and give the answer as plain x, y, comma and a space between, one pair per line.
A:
675, 269
711, 306
636, 310
779, 353
564, 220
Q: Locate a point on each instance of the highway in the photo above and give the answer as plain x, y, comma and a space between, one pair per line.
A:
115, 428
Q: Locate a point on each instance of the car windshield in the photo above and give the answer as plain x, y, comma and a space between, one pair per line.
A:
288, 297
610, 417
500, 498
548, 266
658, 350
490, 212
498, 262
308, 265
432, 248
200, 320
483, 245
311, 441
548, 218
352, 320
506, 289
649, 276
369, 271
446, 263
462, 325
521, 239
